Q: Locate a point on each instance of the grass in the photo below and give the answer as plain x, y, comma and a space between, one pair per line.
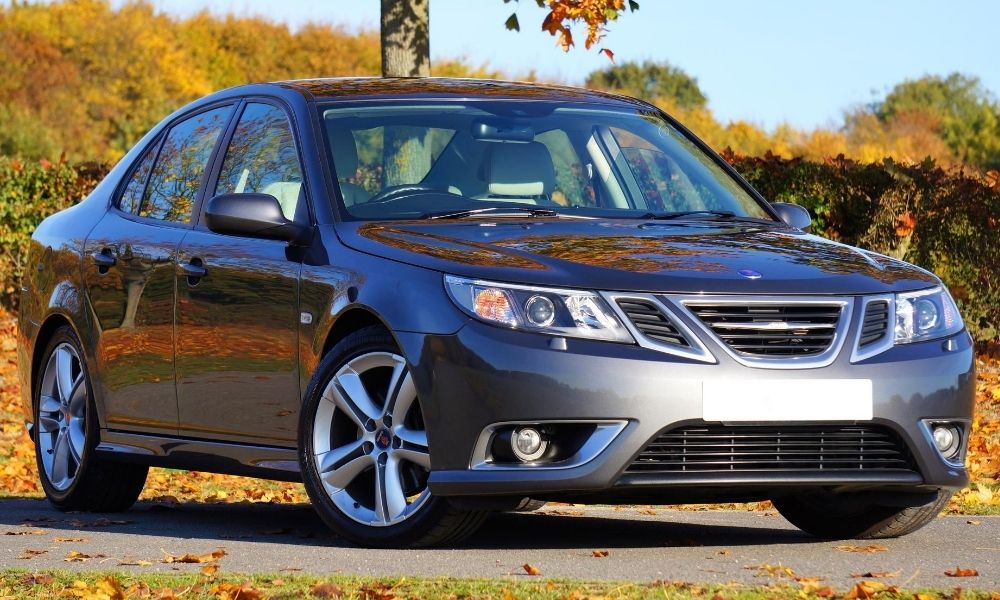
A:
110, 585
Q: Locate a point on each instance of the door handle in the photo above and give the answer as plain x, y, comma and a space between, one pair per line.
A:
194, 270
104, 260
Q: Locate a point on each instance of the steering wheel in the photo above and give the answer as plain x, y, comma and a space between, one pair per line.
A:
396, 192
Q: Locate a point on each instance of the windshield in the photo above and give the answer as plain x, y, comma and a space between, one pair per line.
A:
417, 160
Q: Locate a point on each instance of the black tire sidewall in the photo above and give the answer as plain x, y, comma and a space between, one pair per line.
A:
65, 334
405, 533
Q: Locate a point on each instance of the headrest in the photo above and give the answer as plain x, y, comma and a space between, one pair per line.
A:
519, 170
345, 153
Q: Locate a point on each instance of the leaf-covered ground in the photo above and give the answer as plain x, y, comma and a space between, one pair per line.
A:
110, 586
19, 478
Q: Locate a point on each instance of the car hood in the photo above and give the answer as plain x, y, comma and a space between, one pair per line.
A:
634, 255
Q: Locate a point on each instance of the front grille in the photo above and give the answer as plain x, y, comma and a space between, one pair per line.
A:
875, 323
651, 322
772, 330
724, 449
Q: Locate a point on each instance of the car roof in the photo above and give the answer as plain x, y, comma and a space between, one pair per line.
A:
445, 88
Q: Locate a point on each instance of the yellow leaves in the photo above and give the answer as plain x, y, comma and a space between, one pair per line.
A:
107, 588
864, 590
777, 570
593, 14
194, 558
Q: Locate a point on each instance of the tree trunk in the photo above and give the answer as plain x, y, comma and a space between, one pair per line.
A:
406, 46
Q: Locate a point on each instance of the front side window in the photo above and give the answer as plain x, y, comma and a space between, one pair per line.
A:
181, 164
261, 158
406, 160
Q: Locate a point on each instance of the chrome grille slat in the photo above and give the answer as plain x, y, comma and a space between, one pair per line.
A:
799, 448
771, 330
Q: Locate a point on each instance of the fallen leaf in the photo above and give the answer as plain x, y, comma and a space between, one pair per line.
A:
864, 590
194, 558
27, 532
134, 563
211, 569
959, 572
74, 556
36, 579
869, 549
600, 553
825, 592
919, 596
724, 552
232, 591
778, 570
971, 522
65, 539
877, 574
26, 554
647, 511
326, 590
531, 569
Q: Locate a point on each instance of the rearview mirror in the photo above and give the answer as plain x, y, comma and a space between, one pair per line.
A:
793, 214
252, 215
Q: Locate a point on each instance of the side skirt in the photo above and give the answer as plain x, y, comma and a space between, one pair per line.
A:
264, 462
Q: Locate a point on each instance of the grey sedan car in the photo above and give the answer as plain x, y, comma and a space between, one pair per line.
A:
429, 299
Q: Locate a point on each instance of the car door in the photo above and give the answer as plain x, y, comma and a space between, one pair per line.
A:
129, 269
237, 299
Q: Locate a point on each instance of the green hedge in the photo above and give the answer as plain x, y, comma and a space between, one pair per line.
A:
943, 220
29, 192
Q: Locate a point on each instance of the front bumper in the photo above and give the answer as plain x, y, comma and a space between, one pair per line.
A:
484, 375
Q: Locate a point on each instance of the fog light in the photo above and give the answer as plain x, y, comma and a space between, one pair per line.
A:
528, 444
948, 440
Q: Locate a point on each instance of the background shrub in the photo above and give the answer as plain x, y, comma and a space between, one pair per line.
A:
943, 220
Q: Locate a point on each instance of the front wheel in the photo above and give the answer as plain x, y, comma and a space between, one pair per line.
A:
842, 516
364, 453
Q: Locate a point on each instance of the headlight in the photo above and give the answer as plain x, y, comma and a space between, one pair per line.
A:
571, 313
926, 315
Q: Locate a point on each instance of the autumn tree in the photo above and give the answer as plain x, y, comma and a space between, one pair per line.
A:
650, 81
405, 29
968, 115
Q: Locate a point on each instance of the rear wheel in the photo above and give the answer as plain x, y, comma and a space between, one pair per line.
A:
842, 516
66, 433
364, 452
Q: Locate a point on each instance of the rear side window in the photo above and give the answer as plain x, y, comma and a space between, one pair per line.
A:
181, 164
131, 197
262, 158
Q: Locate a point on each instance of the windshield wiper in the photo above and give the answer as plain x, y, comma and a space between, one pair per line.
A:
507, 211
724, 214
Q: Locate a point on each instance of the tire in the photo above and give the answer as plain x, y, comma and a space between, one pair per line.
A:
842, 517
363, 450
67, 431
529, 505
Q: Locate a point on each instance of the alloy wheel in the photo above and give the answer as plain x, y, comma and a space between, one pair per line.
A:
62, 414
370, 443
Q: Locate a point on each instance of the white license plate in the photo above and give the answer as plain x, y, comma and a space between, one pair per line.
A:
730, 400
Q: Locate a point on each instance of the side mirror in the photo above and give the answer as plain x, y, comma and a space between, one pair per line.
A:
251, 215
793, 214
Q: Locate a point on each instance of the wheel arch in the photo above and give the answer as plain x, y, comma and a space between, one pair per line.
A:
347, 322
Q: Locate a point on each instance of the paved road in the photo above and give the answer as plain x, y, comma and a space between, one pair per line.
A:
710, 546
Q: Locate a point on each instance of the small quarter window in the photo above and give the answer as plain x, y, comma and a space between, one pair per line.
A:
181, 164
261, 158
131, 197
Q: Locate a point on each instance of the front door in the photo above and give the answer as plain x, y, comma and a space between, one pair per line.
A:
237, 300
129, 271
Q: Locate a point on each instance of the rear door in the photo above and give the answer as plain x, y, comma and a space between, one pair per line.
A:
129, 269
237, 299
